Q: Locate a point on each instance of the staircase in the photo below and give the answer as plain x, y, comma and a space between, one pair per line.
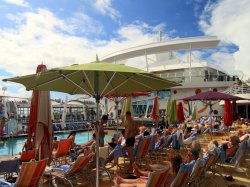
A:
243, 88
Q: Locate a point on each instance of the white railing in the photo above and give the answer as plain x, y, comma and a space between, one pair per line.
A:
238, 89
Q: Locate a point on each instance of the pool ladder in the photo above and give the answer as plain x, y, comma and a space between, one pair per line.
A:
11, 140
89, 127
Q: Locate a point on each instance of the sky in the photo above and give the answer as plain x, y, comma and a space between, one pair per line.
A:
65, 32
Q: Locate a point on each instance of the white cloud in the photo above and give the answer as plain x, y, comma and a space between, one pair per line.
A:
21, 3
229, 20
42, 36
81, 22
105, 8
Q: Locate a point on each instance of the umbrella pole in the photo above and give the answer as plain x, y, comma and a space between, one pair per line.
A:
117, 119
97, 98
97, 140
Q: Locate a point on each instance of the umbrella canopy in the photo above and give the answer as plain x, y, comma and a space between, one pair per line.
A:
194, 113
96, 79
173, 113
228, 113
155, 110
180, 113
211, 95
40, 125
79, 79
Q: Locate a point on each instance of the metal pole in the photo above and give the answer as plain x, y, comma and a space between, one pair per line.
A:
88, 133
117, 119
97, 142
97, 97
9, 144
12, 138
146, 59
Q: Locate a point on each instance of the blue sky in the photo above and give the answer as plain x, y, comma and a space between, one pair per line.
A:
64, 32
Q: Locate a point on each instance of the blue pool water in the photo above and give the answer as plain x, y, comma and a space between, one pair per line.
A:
81, 137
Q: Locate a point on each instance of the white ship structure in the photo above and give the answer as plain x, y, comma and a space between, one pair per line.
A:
175, 60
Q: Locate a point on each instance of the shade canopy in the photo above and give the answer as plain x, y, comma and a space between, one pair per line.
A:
79, 79
96, 79
211, 95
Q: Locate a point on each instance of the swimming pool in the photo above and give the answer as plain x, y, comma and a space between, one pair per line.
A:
81, 137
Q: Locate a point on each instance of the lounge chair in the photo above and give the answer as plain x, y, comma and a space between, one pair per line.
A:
210, 165
182, 176
141, 150
79, 167
195, 176
157, 178
27, 156
62, 151
9, 167
103, 155
30, 174
239, 158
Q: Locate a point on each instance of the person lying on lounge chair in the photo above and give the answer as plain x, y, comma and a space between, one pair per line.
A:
140, 178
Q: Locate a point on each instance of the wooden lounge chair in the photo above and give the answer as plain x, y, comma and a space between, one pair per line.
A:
78, 168
30, 174
62, 152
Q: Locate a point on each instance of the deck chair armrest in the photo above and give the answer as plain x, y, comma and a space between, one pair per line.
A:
5, 184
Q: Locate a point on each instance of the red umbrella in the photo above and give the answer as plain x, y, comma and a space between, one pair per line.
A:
180, 113
155, 110
228, 113
40, 125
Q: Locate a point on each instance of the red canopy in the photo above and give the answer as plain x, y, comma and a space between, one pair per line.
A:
33, 113
228, 113
155, 110
180, 113
40, 126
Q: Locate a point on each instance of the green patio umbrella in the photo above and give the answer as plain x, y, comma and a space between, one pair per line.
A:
96, 79
173, 118
194, 113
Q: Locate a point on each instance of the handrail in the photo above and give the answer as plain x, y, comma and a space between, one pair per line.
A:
9, 145
12, 146
89, 127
